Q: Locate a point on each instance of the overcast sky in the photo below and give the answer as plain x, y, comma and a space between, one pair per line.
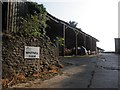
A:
98, 18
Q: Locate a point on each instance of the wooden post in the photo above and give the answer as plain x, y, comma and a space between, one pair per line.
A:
91, 44
11, 14
63, 47
8, 7
85, 41
76, 44
13, 17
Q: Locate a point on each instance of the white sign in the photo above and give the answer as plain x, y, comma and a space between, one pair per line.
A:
31, 52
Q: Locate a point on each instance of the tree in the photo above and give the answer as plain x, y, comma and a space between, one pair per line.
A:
73, 23
34, 23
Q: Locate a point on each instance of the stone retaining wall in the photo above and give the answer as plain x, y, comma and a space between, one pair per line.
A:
13, 61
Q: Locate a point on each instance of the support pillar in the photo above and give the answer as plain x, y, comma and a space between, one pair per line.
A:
63, 47
84, 41
90, 44
8, 7
76, 43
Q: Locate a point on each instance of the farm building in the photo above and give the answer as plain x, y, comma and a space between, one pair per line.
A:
73, 37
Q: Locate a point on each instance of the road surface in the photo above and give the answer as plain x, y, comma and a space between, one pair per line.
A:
84, 72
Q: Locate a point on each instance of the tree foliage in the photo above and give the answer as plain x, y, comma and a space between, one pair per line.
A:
60, 41
73, 23
34, 23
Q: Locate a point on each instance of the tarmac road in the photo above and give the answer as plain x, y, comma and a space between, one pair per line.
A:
106, 72
85, 72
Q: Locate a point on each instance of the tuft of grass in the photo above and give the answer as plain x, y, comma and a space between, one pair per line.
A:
80, 56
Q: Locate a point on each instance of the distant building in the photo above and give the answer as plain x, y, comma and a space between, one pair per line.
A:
99, 50
117, 45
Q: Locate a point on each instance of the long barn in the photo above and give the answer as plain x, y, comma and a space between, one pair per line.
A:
73, 37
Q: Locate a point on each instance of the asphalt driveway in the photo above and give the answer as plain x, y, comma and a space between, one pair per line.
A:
99, 71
